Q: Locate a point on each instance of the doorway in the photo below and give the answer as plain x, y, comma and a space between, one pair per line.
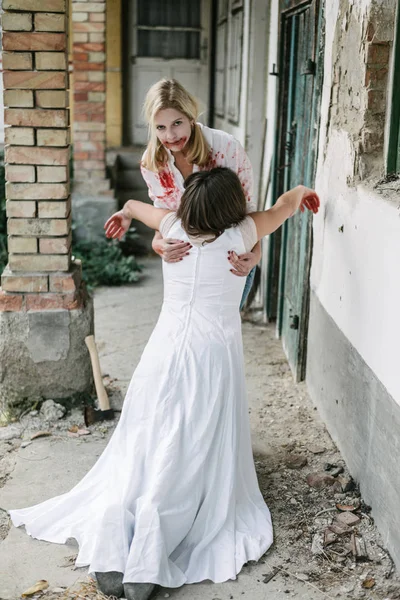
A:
164, 38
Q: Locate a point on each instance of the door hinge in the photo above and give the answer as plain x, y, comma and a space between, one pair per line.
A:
274, 71
295, 321
309, 67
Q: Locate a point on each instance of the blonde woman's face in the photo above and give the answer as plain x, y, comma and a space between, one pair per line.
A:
173, 129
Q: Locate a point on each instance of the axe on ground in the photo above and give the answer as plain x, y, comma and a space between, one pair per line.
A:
104, 412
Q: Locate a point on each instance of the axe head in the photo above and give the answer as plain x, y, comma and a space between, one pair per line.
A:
93, 415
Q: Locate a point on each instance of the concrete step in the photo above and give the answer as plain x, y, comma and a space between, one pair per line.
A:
128, 179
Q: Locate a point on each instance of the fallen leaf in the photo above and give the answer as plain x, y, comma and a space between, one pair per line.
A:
39, 586
346, 507
83, 432
40, 434
368, 583
74, 429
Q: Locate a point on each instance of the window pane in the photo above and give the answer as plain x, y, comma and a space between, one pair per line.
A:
169, 13
169, 44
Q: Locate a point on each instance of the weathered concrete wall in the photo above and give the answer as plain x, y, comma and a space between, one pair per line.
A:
354, 277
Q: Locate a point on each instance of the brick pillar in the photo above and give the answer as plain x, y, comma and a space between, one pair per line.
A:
92, 192
39, 347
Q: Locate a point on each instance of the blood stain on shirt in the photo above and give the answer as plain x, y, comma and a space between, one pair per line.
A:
167, 182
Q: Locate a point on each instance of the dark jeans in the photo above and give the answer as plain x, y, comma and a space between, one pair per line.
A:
247, 287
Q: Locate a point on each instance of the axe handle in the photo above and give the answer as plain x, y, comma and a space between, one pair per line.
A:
98, 380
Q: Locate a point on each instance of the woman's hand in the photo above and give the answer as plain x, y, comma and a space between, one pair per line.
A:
171, 250
309, 200
117, 225
244, 263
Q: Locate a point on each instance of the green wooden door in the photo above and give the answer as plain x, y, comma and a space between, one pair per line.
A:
300, 74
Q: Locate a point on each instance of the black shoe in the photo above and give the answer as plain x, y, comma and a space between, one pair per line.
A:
138, 591
110, 583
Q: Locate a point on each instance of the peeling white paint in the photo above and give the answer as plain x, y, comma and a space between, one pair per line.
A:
356, 255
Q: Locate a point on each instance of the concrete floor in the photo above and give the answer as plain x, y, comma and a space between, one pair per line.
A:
125, 318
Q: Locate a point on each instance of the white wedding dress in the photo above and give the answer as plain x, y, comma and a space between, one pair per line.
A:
174, 497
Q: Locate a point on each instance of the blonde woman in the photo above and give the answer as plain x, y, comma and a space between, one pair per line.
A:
179, 146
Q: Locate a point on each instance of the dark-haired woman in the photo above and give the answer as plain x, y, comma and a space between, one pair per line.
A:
174, 497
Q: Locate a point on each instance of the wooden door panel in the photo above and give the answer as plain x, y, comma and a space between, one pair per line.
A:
295, 151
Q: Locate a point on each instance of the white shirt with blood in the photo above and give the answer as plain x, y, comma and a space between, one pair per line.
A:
167, 186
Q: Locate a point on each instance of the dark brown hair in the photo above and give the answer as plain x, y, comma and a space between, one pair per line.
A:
212, 202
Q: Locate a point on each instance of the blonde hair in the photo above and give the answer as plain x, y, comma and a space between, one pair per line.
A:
169, 93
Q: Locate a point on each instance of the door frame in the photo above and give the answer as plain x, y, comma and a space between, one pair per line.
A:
209, 48
278, 249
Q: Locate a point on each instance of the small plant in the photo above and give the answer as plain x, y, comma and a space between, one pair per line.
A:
103, 263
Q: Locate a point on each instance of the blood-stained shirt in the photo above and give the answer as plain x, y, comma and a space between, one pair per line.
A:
167, 186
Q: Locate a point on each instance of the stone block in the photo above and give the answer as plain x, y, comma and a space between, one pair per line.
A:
50, 22
60, 245
66, 282
10, 302
378, 54
39, 227
53, 209
376, 101
36, 156
97, 57
97, 17
16, 21
28, 80
36, 117
20, 209
20, 173
22, 245
81, 135
97, 37
89, 7
52, 99
53, 137
89, 126
81, 37
17, 61
39, 262
89, 27
52, 174
88, 66
14, 282
89, 107
37, 191
80, 76
80, 17
97, 136
89, 47
97, 76
19, 136
35, 41
96, 97
35, 5
44, 354
89, 86
48, 61
18, 98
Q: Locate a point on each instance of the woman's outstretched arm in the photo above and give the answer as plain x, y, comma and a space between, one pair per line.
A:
270, 220
119, 223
